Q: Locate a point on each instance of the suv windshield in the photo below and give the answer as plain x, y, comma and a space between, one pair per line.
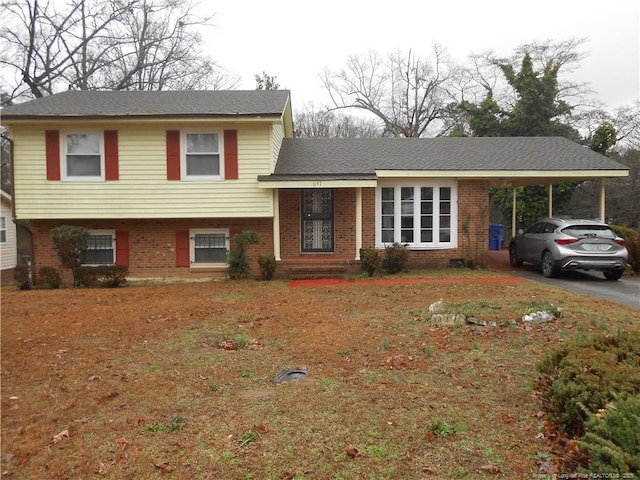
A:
586, 231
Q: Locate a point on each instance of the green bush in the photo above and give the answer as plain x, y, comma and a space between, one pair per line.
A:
70, 243
612, 438
584, 377
267, 265
369, 260
632, 237
237, 258
397, 256
51, 276
109, 276
22, 276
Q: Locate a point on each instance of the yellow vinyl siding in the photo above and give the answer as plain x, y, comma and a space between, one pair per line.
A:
277, 136
143, 190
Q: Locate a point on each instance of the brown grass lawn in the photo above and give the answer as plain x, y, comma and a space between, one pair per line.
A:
130, 383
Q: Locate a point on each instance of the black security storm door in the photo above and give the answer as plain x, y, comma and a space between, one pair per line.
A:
317, 220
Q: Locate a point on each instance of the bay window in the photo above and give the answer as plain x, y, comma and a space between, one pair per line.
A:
420, 215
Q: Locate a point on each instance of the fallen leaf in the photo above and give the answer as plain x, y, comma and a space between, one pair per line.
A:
352, 451
123, 442
164, 467
22, 459
429, 470
490, 469
59, 437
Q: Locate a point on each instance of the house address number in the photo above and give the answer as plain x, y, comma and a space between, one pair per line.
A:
317, 184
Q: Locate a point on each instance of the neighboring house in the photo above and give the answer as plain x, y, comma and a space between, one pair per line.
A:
8, 243
163, 179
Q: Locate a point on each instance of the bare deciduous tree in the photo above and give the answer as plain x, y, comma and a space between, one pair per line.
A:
312, 123
119, 45
407, 93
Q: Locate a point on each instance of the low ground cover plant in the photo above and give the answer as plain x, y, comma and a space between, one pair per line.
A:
590, 390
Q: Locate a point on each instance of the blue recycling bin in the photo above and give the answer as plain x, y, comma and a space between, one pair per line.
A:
495, 236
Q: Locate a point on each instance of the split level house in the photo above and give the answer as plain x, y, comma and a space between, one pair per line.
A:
163, 180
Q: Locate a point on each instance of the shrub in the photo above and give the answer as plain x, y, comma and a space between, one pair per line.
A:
51, 276
584, 377
612, 438
22, 276
632, 237
397, 256
237, 258
267, 265
109, 276
70, 243
369, 260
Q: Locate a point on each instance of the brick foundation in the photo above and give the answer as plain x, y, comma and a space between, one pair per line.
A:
152, 243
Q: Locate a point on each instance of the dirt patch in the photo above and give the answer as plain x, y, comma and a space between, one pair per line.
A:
132, 383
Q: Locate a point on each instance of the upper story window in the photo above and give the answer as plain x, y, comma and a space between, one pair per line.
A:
418, 215
202, 156
83, 156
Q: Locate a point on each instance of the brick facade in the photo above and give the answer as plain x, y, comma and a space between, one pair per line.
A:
152, 243
473, 227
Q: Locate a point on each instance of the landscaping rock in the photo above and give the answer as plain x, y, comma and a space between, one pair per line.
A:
538, 317
436, 307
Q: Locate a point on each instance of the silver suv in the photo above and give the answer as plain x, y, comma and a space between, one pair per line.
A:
558, 244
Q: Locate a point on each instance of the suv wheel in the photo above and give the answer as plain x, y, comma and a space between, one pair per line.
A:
613, 274
513, 256
549, 268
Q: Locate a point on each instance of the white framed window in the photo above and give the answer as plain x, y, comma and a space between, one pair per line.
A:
209, 246
82, 156
202, 155
422, 215
3, 229
101, 248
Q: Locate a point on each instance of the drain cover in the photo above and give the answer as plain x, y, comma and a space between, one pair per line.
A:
289, 375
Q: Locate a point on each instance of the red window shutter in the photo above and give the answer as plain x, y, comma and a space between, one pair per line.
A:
52, 149
230, 154
122, 247
173, 154
182, 248
111, 155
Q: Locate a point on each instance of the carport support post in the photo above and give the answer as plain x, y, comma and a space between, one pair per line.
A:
603, 183
513, 213
550, 200
358, 221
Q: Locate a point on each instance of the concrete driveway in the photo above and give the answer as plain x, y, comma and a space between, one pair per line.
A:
625, 291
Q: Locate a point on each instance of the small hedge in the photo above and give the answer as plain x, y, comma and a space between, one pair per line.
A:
267, 264
632, 237
22, 276
612, 438
369, 260
109, 276
397, 256
580, 379
50, 276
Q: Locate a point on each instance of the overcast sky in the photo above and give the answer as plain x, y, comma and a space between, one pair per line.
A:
295, 40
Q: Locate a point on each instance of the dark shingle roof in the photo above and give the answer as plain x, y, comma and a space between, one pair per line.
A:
146, 104
363, 156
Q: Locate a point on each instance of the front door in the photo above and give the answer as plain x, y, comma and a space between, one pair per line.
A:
317, 220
